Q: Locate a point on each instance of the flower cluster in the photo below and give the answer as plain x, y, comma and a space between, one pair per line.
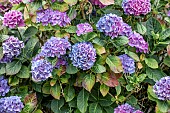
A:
48, 16
55, 47
11, 104
41, 69
84, 28
126, 108
162, 88
136, 7
5, 7
136, 40
113, 26
60, 62
11, 48
168, 13
15, 1
4, 87
97, 2
83, 55
128, 64
13, 19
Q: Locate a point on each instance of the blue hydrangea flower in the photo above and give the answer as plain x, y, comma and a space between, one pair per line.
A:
113, 26
4, 87
41, 69
11, 48
83, 55
162, 88
55, 47
11, 104
128, 64
124, 108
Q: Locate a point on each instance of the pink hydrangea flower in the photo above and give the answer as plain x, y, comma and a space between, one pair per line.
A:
84, 28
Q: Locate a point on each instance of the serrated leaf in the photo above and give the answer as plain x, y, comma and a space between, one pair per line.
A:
13, 68
104, 89
82, 100
69, 93
95, 108
88, 82
24, 72
30, 31
120, 41
55, 91
152, 63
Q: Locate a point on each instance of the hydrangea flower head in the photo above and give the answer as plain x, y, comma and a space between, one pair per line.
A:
83, 55
11, 48
13, 19
162, 88
11, 104
4, 87
41, 69
61, 62
15, 1
128, 64
98, 3
136, 7
113, 26
136, 40
55, 47
84, 28
5, 7
124, 108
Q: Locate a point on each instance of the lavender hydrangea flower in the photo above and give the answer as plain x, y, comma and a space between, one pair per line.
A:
83, 55
128, 64
136, 7
11, 104
13, 19
11, 48
61, 62
55, 47
84, 28
168, 13
138, 111
113, 26
4, 87
162, 88
124, 108
41, 69
98, 3
15, 1
136, 40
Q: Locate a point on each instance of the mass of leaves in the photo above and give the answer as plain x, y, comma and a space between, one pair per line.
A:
85, 56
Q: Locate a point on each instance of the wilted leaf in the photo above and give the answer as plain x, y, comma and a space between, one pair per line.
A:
55, 91
168, 50
107, 2
104, 89
88, 82
31, 99
70, 2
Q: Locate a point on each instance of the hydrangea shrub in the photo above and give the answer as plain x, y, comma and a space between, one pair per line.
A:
84, 56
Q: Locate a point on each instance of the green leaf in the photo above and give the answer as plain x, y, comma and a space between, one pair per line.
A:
99, 49
129, 87
97, 68
118, 90
105, 101
60, 6
70, 2
56, 105
166, 61
114, 63
104, 89
141, 78
133, 55
2, 69
69, 93
163, 106
46, 88
141, 28
82, 100
13, 81
90, 36
165, 34
71, 69
71, 29
152, 96
109, 109
153, 25
1, 53
55, 91
95, 108
13, 68
152, 63
30, 31
122, 40
38, 111
24, 72
88, 82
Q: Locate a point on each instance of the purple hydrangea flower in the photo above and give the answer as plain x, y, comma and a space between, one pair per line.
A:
48, 16
168, 13
84, 28
98, 3
55, 47
138, 111
162, 88
136, 40
15, 1
5, 7
11, 48
41, 69
83, 55
61, 62
124, 108
11, 104
4, 87
128, 63
113, 26
136, 7
13, 19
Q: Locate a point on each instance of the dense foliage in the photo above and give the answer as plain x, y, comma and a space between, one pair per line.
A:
84, 56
